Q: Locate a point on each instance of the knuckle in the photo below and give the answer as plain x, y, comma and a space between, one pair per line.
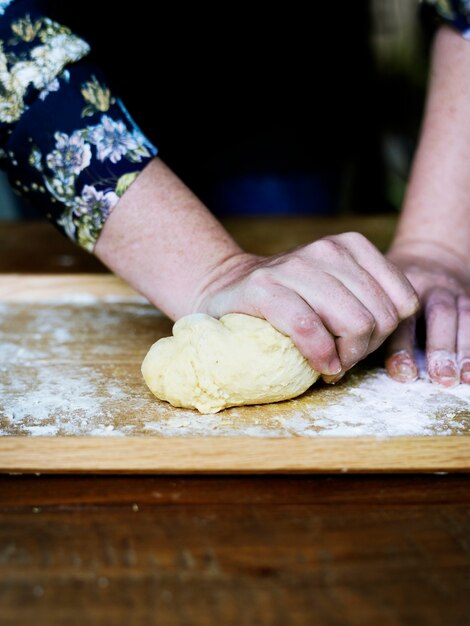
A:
440, 302
408, 307
260, 278
319, 345
298, 264
352, 355
327, 247
259, 288
354, 238
388, 324
406, 294
440, 308
440, 295
364, 325
305, 324
405, 297
411, 304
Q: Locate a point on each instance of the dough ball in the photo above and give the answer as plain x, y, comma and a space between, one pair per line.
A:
212, 364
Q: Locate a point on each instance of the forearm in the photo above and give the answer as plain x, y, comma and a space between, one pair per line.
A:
432, 244
70, 144
164, 241
436, 211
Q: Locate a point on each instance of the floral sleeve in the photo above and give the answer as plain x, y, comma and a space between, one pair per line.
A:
455, 12
66, 142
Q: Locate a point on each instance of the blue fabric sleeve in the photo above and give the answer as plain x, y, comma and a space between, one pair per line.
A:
455, 13
65, 141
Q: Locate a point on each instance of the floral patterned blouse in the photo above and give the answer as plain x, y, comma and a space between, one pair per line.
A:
455, 12
65, 141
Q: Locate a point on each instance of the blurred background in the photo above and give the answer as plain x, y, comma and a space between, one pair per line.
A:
266, 111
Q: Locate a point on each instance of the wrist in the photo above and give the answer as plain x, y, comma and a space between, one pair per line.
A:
162, 240
227, 271
440, 251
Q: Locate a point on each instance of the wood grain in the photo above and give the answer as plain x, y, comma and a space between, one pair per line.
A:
55, 490
74, 370
229, 454
344, 550
270, 551
55, 288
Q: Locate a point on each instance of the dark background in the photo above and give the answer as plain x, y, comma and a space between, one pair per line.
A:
270, 111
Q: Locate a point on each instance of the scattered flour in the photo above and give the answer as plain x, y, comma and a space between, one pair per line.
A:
50, 385
59, 402
367, 404
83, 402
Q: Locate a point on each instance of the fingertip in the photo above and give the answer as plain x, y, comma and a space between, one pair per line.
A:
331, 380
442, 368
444, 381
409, 307
402, 367
465, 371
334, 367
319, 348
465, 378
326, 367
296, 319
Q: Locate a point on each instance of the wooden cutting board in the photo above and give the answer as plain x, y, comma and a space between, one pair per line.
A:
72, 399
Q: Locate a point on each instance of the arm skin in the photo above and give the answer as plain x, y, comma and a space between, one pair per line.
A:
432, 242
338, 297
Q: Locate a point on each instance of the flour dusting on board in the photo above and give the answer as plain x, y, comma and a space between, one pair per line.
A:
74, 369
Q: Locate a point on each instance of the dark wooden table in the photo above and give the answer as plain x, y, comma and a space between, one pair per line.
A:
327, 550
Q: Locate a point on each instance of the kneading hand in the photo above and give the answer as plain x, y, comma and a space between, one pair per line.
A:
338, 298
442, 281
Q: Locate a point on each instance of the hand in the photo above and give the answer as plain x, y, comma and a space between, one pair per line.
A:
442, 281
338, 298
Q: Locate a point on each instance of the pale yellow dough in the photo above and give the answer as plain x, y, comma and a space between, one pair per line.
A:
212, 364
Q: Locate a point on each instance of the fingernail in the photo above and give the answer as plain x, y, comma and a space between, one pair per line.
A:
447, 370
334, 367
407, 370
465, 371
442, 370
336, 379
331, 380
402, 368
